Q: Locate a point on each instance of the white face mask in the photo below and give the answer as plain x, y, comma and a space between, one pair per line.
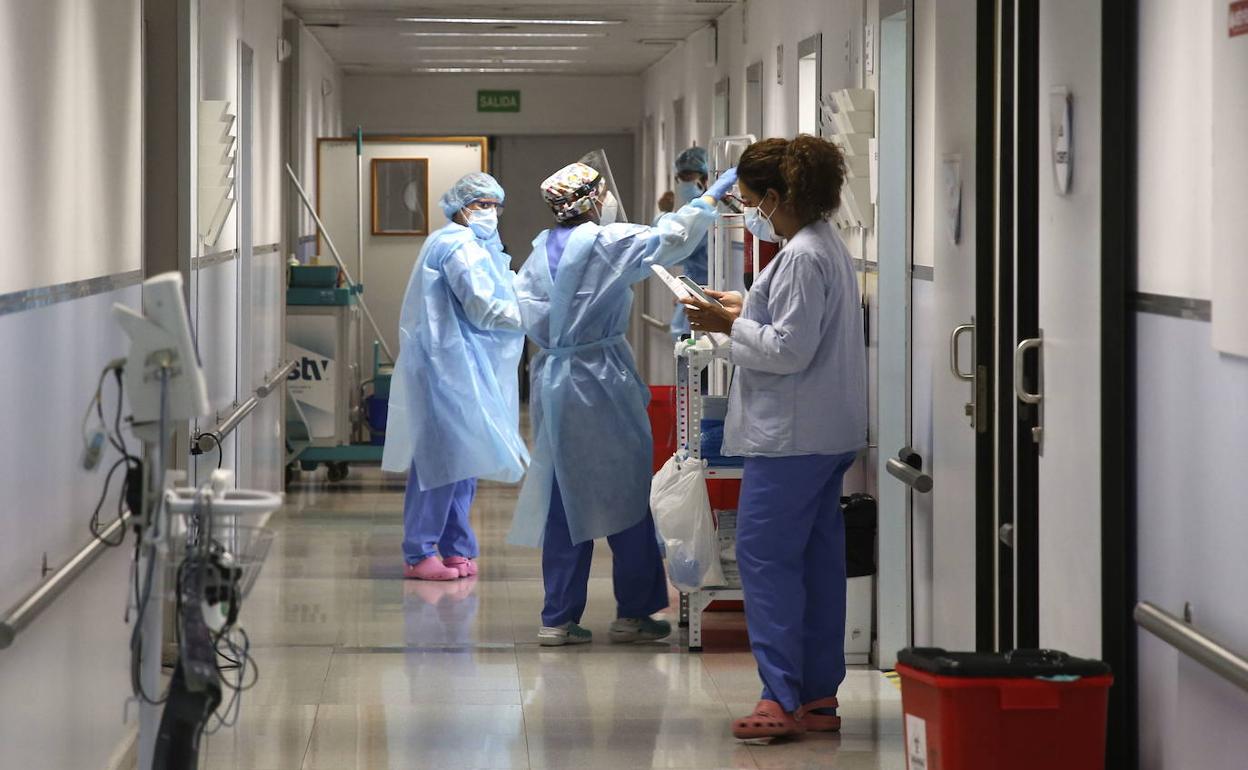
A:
760, 225
610, 210
484, 223
687, 192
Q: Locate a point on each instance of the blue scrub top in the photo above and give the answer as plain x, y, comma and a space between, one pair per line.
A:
800, 385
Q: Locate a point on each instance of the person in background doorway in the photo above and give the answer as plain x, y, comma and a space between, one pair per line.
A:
667, 204
692, 171
454, 405
797, 413
592, 452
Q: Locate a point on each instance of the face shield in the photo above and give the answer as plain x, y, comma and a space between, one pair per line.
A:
597, 160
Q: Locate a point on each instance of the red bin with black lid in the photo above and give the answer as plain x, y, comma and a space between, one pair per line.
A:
1021, 710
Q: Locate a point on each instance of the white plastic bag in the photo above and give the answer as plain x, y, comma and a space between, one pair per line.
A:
682, 514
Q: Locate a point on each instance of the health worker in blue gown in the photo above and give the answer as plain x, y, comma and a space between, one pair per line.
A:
590, 476
797, 413
454, 400
692, 172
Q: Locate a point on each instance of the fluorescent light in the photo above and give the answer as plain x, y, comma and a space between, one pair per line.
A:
500, 48
577, 35
504, 61
552, 22
477, 70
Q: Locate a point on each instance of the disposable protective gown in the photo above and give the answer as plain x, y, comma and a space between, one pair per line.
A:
587, 401
454, 400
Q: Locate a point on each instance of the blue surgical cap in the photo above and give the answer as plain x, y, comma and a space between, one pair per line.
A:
473, 187
693, 159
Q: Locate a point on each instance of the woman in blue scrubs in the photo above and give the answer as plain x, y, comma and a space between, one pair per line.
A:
590, 476
797, 413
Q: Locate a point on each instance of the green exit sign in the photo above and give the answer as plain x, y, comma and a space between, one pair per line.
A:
498, 101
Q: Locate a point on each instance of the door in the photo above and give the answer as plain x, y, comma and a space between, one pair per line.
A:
893, 228
1047, 488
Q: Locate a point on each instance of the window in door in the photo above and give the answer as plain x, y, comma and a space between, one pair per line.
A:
720, 113
809, 85
754, 100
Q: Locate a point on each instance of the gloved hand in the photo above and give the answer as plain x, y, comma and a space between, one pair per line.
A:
723, 184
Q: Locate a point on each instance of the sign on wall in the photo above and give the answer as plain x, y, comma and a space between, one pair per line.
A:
498, 101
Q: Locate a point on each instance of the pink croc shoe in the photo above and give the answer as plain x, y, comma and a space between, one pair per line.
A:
769, 720
467, 567
820, 723
431, 568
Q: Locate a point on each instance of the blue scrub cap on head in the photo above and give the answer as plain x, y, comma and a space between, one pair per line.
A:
472, 187
693, 159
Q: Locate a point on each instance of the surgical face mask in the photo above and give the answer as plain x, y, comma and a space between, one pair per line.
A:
610, 209
484, 223
760, 225
687, 192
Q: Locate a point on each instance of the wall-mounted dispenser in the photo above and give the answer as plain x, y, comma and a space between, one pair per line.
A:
849, 120
1060, 137
216, 168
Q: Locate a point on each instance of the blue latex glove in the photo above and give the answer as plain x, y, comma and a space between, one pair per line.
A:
723, 184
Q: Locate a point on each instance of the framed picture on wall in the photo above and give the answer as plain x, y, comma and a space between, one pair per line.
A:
400, 196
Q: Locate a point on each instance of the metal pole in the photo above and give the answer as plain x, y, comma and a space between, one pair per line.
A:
359, 230
338, 258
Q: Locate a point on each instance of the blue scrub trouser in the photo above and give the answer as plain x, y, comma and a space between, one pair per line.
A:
791, 552
637, 569
435, 521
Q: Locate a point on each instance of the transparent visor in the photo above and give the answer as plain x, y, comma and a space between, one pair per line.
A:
597, 160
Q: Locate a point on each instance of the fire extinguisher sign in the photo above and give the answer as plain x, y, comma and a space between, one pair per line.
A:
1237, 19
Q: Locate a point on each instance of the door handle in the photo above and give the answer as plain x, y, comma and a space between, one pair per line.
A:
907, 466
1020, 354
954, 361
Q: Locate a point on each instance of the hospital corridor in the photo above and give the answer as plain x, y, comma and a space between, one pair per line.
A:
583, 385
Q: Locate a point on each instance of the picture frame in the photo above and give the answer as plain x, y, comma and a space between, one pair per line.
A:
400, 196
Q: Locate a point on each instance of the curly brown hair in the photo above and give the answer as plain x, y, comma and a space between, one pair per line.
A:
807, 173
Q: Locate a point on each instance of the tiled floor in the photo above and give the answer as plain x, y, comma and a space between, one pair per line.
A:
360, 669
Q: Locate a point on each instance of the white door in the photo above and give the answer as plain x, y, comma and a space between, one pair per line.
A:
1070, 319
952, 549
894, 253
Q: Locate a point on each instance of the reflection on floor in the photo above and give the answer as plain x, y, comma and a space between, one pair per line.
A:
361, 669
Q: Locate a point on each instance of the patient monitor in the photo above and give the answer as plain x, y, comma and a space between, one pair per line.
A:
161, 347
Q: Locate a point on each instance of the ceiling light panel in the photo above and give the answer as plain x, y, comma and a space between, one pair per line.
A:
524, 22
521, 48
528, 35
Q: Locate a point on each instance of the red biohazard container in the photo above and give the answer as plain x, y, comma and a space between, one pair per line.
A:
662, 411
1021, 710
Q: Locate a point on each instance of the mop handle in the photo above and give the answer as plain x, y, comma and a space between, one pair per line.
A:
338, 258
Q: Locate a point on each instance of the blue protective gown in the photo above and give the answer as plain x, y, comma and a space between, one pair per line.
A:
587, 401
454, 400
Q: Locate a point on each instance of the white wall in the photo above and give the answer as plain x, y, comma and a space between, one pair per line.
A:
317, 114
1191, 406
690, 72
70, 192
446, 105
70, 209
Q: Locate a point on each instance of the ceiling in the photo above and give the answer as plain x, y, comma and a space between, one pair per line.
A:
377, 37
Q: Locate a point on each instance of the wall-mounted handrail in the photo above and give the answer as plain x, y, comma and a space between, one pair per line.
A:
207, 440
33, 604
1181, 635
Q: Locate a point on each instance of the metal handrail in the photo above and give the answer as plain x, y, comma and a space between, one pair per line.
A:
1181, 635
23, 613
205, 441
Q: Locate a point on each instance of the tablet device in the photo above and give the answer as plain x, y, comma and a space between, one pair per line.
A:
698, 291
